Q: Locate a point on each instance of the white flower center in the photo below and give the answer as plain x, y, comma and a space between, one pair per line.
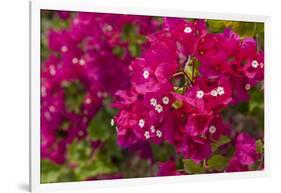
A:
81, 133
108, 27
85, 119
200, 94
187, 30
152, 129
52, 109
153, 102
214, 93
165, 100
75, 60
64, 49
43, 91
146, 135
82, 62
212, 129
47, 115
76, 21
255, 64
220, 90
159, 108
52, 70
248, 86
112, 122
99, 94
159, 133
88, 101
141, 123
145, 74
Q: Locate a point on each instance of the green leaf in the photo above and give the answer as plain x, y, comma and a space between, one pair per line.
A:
191, 167
257, 101
140, 39
177, 104
217, 162
118, 51
162, 152
129, 32
74, 93
179, 90
99, 126
79, 151
215, 26
51, 172
134, 50
259, 146
94, 168
192, 68
223, 140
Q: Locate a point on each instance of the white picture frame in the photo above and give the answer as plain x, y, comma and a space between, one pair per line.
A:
91, 6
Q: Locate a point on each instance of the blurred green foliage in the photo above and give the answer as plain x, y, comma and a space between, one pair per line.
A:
190, 167
244, 29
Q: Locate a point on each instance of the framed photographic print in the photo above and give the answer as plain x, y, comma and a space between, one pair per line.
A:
124, 96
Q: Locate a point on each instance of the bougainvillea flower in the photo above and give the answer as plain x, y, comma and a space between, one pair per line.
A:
246, 149
197, 123
206, 95
195, 148
167, 169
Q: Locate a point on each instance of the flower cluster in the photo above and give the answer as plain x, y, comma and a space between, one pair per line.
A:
88, 61
245, 154
180, 86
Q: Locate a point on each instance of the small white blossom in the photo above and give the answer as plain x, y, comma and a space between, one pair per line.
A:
214, 93
81, 133
52, 70
141, 123
212, 129
152, 129
76, 21
165, 100
248, 86
85, 119
220, 90
43, 91
64, 49
52, 109
159, 108
187, 30
47, 115
255, 64
88, 101
104, 94
112, 122
153, 102
159, 133
99, 94
107, 27
146, 135
145, 74
82, 62
200, 94
75, 60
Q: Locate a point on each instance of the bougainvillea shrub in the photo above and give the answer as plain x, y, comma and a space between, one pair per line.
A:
126, 96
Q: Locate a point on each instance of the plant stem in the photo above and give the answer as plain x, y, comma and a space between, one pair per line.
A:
186, 75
